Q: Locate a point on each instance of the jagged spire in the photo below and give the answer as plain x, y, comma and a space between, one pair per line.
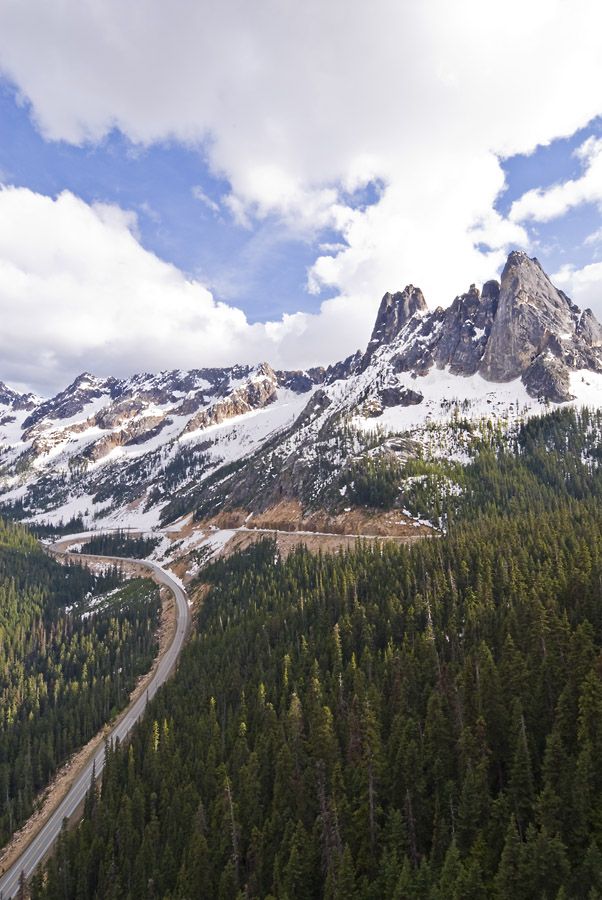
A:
531, 315
395, 310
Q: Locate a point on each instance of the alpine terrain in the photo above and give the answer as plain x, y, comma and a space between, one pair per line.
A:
147, 450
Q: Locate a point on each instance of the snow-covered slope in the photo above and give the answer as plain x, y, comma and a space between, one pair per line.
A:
154, 447
115, 450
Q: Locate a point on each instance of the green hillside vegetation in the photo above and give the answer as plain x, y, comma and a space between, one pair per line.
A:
548, 461
420, 723
64, 670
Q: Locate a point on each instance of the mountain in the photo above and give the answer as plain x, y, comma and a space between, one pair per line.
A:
151, 448
523, 328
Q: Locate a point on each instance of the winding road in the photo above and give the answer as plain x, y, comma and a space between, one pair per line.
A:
41, 844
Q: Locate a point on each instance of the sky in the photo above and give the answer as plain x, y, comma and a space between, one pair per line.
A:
204, 183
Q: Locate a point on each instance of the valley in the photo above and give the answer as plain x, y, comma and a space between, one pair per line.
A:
392, 683
396, 720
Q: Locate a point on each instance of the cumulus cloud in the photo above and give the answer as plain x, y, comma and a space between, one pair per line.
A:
542, 205
296, 105
584, 286
79, 292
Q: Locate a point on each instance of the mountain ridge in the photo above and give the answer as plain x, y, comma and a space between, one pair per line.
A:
151, 447
522, 327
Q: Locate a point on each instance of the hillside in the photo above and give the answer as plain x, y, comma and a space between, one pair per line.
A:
72, 645
397, 720
383, 724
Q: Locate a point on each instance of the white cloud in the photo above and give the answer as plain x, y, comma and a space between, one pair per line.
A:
588, 150
199, 194
542, 205
584, 286
594, 238
294, 104
79, 292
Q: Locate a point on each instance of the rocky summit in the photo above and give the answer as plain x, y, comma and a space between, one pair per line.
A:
150, 448
523, 328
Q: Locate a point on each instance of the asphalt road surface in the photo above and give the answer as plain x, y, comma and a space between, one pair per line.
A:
40, 846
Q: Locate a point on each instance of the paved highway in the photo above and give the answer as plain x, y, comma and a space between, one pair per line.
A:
39, 847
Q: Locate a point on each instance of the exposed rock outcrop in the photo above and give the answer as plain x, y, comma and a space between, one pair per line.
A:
301, 381
395, 396
589, 329
136, 432
395, 311
522, 327
17, 401
530, 309
319, 402
255, 392
548, 377
69, 402
344, 369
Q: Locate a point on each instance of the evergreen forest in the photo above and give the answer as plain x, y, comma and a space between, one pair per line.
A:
72, 645
120, 543
415, 722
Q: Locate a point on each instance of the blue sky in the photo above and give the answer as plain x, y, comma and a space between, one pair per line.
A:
204, 185
562, 240
169, 186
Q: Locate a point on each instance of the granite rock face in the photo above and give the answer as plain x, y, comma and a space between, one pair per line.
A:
530, 312
14, 400
394, 312
590, 329
343, 369
523, 327
395, 396
454, 337
538, 333
71, 401
318, 403
7, 395
548, 377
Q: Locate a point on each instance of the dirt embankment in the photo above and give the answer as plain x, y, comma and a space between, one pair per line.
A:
327, 543
289, 526
289, 516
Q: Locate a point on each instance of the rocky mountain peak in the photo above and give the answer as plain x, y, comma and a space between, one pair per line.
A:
532, 317
185, 436
7, 395
491, 292
522, 327
590, 329
264, 370
468, 303
69, 402
395, 310
15, 400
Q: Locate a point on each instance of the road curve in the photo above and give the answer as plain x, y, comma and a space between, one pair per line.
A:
39, 847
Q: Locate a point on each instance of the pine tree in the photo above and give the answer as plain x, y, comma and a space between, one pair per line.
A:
508, 881
346, 887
